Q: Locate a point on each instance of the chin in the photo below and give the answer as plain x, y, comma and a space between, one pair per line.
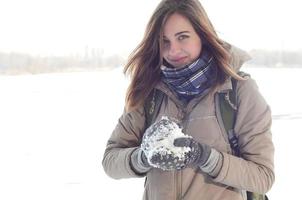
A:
181, 65
176, 65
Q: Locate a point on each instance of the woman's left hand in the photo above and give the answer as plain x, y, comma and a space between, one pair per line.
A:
199, 153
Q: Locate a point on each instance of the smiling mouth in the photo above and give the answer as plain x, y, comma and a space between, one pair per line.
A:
178, 59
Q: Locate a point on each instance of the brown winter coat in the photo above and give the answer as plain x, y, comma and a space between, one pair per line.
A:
200, 118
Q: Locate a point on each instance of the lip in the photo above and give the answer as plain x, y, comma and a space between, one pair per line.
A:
177, 60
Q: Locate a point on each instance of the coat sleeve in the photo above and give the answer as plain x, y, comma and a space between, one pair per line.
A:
254, 171
125, 138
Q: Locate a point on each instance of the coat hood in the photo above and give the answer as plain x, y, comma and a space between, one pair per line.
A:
238, 56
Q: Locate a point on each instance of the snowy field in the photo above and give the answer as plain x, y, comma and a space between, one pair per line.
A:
54, 128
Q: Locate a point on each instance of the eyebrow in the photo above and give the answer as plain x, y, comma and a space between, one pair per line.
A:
179, 33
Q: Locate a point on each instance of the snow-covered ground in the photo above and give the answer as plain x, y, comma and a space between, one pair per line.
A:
54, 128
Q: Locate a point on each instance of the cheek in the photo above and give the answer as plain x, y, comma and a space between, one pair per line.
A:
195, 50
165, 54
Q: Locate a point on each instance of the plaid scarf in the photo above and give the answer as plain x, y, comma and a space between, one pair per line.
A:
194, 79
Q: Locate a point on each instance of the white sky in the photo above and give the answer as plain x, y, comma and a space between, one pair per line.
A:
61, 27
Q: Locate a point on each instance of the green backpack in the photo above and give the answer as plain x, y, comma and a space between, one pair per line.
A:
228, 110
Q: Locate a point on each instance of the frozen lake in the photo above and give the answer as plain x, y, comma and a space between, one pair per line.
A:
54, 128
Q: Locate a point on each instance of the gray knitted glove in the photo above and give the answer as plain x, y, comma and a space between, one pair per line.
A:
199, 153
167, 162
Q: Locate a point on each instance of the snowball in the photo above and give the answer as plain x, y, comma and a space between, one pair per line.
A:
159, 139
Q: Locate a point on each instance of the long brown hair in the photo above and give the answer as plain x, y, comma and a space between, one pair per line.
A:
144, 62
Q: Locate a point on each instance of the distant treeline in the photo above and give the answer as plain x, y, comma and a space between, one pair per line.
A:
18, 63
276, 58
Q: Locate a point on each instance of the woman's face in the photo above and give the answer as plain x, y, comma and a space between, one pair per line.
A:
181, 44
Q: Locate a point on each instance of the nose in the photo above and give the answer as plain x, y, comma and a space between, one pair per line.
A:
174, 49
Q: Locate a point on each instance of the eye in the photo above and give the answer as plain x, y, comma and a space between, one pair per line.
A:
166, 42
182, 37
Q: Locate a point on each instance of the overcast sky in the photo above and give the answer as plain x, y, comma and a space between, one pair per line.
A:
62, 27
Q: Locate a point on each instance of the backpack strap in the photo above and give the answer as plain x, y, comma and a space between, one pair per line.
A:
228, 109
152, 106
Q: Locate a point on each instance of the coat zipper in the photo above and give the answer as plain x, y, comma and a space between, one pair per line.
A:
178, 192
179, 173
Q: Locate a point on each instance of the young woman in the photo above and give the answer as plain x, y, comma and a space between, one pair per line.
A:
182, 56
